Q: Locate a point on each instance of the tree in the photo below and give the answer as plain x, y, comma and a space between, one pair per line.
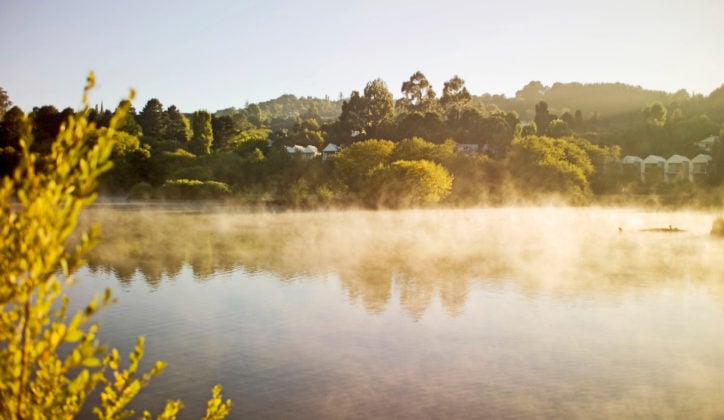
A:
51, 361
352, 118
130, 123
530, 129
225, 131
46, 125
254, 115
655, 114
497, 134
153, 120
130, 161
11, 130
353, 164
203, 135
378, 106
417, 148
558, 128
365, 114
306, 133
5, 103
543, 165
406, 183
542, 117
455, 97
178, 127
417, 95
531, 93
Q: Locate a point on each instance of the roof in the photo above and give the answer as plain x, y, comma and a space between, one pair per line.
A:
654, 159
677, 159
702, 158
631, 159
709, 140
331, 147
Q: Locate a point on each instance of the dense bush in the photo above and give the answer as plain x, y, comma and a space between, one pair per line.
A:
193, 189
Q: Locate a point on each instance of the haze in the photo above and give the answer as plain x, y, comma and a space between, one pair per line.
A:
225, 53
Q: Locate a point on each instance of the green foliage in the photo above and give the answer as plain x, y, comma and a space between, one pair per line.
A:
558, 128
543, 165
455, 97
203, 135
179, 127
130, 161
655, 114
192, 189
5, 103
224, 130
153, 120
355, 162
51, 360
418, 149
417, 95
407, 183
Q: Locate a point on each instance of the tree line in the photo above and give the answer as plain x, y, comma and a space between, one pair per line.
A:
408, 145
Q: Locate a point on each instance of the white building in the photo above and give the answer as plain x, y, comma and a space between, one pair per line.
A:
329, 150
308, 152
707, 145
678, 168
700, 166
654, 167
633, 166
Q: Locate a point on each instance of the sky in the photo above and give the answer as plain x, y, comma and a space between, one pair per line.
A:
217, 54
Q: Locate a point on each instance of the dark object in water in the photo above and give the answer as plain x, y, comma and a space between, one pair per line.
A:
717, 228
669, 229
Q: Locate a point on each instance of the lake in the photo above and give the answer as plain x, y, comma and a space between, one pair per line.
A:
515, 312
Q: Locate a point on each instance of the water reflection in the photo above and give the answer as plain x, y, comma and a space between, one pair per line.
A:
418, 255
419, 314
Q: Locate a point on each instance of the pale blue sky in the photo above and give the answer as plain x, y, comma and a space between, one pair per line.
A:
216, 54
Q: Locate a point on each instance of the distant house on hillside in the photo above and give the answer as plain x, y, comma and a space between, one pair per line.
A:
707, 145
329, 150
306, 152
700, 166
654, 167
466, 148
678, 168
633, 167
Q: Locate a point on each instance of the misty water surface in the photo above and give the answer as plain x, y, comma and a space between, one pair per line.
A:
412, 314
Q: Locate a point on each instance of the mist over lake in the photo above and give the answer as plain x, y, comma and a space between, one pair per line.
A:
509, 312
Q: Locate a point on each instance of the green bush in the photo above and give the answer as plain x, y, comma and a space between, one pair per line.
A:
193, 189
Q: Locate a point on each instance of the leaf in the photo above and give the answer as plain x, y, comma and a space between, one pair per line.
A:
91, 362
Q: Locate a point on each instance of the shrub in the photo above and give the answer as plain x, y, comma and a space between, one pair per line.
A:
193, 189
39, 211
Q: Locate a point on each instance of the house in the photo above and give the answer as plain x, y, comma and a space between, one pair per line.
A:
466, 148
707, 145
678, 168
700, 166
329, 150
653, 169
305, 152
633, 167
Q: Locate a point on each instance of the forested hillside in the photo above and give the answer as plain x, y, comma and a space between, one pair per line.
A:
411, 146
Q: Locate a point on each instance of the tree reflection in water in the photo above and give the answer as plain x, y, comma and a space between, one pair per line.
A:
417, 255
